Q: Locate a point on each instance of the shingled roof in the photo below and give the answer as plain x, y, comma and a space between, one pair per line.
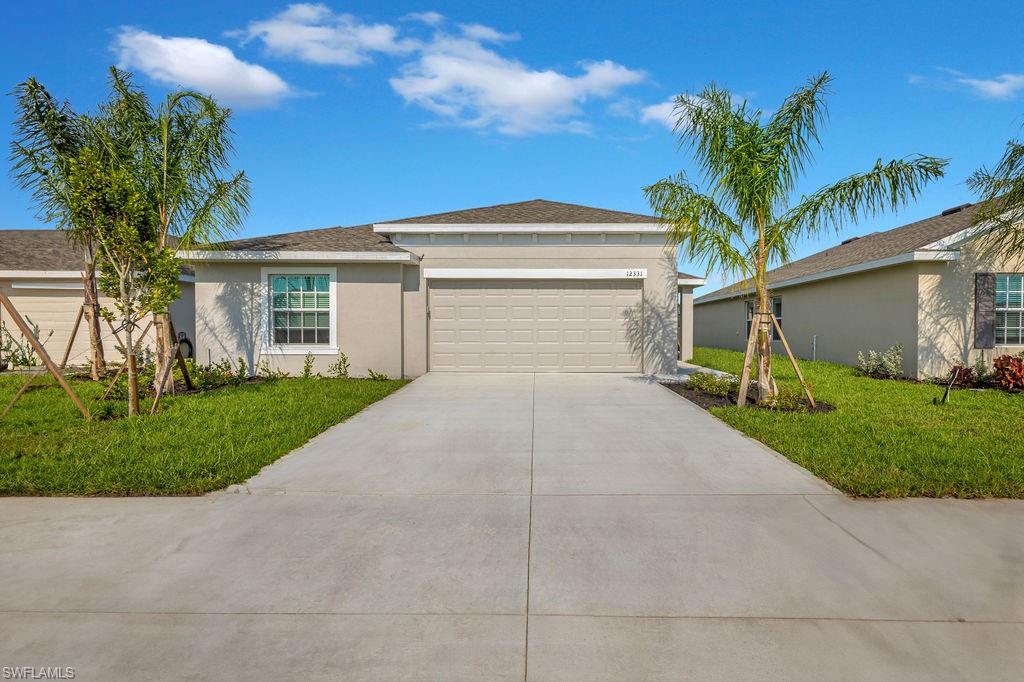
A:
358, 238
37, 250
539, 211
859, 250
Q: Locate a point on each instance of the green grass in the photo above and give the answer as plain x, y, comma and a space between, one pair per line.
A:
194, 444
886, 438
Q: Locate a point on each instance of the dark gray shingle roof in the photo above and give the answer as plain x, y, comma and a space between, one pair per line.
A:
870, 247
358, 238
37, 250
533, 211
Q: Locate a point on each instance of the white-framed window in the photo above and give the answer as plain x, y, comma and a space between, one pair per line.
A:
1010, 310
776, 309
300, 310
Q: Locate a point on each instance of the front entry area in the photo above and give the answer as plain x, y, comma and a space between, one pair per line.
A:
535, 325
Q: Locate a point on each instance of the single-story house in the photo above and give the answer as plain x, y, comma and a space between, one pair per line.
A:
927, 285
42, 275
522, 287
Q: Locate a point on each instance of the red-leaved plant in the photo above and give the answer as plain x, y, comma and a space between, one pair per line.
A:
1009, 371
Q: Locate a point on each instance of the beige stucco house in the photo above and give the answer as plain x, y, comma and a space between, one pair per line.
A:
41, 273
926, 285
530, 286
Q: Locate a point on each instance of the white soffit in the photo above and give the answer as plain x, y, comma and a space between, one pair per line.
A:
535, 273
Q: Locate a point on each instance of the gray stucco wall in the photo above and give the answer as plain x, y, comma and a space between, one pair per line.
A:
382, 307
230, 324
869, 310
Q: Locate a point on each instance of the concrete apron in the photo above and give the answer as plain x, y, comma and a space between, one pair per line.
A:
511, 526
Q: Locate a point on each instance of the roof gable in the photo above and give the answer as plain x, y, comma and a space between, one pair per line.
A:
535, 211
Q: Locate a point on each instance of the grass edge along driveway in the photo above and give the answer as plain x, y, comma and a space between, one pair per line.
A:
886, 438
196, 443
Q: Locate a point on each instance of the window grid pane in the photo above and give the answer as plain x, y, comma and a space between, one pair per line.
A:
300, 306
1010, 309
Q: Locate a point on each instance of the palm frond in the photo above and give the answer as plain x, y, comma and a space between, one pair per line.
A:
1002, 191
792, 132
702, 229
887, 186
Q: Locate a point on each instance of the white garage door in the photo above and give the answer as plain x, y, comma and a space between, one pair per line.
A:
527, 326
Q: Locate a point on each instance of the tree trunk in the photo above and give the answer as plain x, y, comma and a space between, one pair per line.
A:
91, 304
165, 352
133, 375
765, 381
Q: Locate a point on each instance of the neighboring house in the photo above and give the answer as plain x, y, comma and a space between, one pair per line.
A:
42, 274
926, 285
530, 286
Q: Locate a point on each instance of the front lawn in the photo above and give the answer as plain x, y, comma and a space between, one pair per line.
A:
886, 438
194, 444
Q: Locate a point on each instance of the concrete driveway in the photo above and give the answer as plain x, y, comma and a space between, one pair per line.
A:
511, 526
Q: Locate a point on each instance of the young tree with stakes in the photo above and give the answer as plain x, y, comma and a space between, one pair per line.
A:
745, 220
185, 147
48, 137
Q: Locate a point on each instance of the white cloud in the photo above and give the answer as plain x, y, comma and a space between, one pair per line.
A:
1004, 86
482, 33
662, 113
428, 18
198, 64
665, 113
459, 79
313, 33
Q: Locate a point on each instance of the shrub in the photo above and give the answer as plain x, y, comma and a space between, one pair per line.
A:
307, 366
374, 375
787, 400
1009, 372
715, 384
214, 375
887, 365
16, 350
339, 369
265, 372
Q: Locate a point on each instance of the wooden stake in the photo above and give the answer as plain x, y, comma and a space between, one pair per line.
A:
748, 357
186, 377
163, 380
24, 387
117, 375
74, 333
792, 359
43, 355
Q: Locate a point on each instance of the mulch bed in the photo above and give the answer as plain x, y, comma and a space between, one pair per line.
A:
709, 400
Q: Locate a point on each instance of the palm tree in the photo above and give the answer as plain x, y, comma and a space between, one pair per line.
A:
1002, 190
48, 138
182, 151
746, 221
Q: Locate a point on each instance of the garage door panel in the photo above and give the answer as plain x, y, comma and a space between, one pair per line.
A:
560, 325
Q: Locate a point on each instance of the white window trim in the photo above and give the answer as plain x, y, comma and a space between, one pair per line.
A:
269, 348
997, 309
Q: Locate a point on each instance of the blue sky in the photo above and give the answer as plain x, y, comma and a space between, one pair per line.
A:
351, 112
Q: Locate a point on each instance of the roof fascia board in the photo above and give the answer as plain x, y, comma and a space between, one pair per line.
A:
691, 281
910, 257
58, 274
517, 228
322, 256
535, 273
